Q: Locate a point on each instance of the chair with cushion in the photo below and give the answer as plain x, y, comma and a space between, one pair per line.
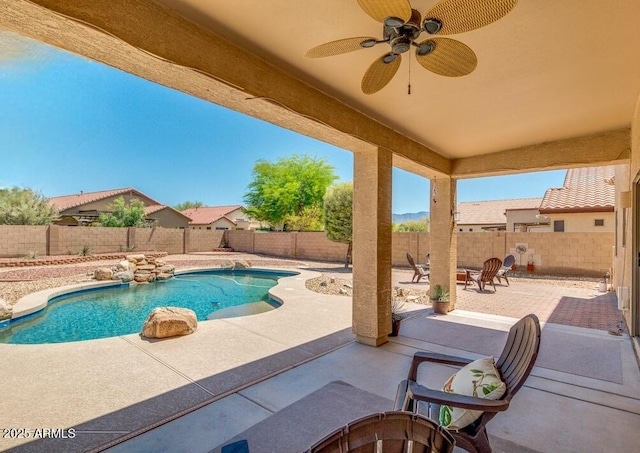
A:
508, 262
486, 275
478, 391
418, 271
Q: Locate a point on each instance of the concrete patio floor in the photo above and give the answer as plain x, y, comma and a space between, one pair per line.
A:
199, 391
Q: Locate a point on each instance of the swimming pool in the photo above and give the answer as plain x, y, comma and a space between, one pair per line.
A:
121, 310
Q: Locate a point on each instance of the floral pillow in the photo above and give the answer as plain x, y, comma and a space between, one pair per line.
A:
479, 379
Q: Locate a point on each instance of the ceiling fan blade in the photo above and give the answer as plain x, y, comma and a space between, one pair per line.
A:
379, 74
340, 46
379, 10
458, 16
449, 57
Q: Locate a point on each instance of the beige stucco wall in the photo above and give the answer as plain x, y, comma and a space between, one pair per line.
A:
580, 222
168, 218
519, 216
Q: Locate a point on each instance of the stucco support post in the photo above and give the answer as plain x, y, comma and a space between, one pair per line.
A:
443, 236
372, 246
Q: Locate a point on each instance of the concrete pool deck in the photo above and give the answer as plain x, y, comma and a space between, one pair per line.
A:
201, 390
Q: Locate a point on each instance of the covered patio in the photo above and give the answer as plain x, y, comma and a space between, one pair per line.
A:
556, 86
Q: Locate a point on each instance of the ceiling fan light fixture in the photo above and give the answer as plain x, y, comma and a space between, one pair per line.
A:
431, 25
425, 48
393, 22
389, 58
369, 43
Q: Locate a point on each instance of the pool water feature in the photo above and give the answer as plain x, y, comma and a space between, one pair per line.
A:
122, 310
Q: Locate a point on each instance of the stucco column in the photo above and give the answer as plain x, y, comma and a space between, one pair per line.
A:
443, 236
372, 246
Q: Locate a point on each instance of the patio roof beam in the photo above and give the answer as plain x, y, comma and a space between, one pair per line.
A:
605, 148
160, 32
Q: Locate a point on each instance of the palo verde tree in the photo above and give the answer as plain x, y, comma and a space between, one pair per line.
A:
24, 206
124, 215
188, 205
286, 188
338, 215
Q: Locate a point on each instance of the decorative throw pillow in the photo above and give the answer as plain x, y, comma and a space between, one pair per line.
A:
480, 379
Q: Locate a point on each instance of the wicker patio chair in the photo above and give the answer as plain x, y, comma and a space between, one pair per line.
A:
514, 365
508, 262
486, 275
390, 432
418, 271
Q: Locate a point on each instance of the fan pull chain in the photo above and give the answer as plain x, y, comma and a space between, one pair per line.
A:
409, 83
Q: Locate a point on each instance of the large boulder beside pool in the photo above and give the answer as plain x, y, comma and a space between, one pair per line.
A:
5, 310
103, 273
166, 322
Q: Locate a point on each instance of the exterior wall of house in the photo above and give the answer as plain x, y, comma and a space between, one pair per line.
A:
470, 228
105, 204
223, 224
517, 217
584, 222
168, 218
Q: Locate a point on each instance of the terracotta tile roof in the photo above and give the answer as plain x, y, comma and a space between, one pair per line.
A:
152, 209
492, 212
584, 190
206, 215
71, 201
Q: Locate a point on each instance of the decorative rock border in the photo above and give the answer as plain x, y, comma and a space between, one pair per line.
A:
71, 259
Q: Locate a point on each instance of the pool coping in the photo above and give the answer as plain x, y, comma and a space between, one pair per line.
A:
37, 301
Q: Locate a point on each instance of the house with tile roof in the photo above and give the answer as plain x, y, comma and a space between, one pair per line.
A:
84, 208
220, 218
498, 215
585, 202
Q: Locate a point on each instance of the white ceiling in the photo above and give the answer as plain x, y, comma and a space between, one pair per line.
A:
548, 70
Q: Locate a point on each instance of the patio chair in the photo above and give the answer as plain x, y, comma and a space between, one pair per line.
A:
509, 261
514, 365
418, 271
486, 275
391, 432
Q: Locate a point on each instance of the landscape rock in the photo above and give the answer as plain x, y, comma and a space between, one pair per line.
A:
103, 273
124, 276
227, 264
125, 265
5, 310
142, 278
135, 258
167, 268
145, 267
165, 322
241, 264
163, 276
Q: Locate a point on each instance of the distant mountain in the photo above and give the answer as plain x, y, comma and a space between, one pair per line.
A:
409, 216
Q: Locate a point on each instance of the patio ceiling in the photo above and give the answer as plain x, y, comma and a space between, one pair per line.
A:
555, 86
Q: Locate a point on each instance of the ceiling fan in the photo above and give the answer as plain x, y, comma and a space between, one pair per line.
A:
401, 28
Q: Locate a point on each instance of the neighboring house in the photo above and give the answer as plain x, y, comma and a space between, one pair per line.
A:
585, 203
498, 215
220, 218
85, 208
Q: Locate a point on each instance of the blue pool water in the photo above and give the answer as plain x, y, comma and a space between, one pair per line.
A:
121, 310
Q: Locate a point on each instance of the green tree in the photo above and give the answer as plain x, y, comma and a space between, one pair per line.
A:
188, 205
286, 188
310, 219
338, 215
124, 215
412, 225
24, 206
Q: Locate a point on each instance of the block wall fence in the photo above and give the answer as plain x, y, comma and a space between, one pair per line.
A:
558, 253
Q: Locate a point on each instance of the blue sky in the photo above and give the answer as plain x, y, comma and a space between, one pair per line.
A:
68, 124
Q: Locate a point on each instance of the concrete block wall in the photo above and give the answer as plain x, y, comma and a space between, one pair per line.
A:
170, 240
240, 240
475, 248
276, 244
316, 246
202, 240
66, 240
417, 244
19, 240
